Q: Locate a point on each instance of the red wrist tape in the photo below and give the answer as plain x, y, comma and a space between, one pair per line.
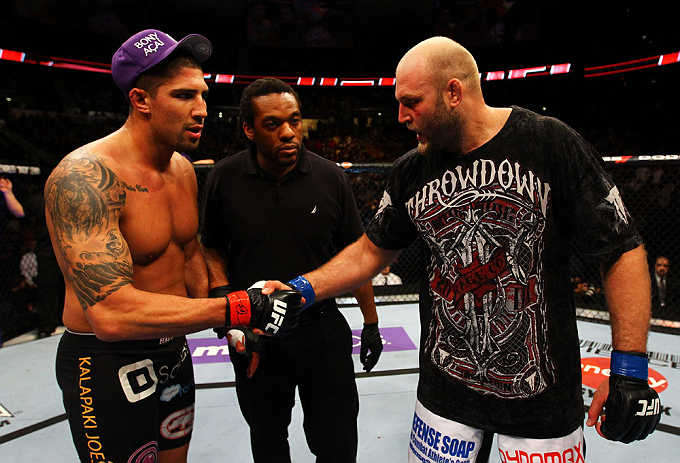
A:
239, 308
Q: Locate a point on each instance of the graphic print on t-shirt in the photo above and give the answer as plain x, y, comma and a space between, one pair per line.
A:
485, 226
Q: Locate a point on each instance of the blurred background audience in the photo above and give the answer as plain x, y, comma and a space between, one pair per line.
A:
47, 111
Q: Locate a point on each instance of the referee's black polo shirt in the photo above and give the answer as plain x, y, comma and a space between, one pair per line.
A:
276, 230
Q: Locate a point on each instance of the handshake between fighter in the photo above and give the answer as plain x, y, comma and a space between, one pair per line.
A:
275, 314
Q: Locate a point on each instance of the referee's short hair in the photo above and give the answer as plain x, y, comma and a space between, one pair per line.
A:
262, 87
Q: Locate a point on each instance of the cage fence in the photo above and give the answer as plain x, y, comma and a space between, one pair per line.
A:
648, 186
18, 263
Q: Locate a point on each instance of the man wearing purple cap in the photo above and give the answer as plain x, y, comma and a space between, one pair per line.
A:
123, 218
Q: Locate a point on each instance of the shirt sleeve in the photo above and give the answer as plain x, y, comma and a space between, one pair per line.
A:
392, 228
601, 224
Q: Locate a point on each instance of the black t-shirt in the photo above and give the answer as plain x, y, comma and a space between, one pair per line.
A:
277, 230
499, 344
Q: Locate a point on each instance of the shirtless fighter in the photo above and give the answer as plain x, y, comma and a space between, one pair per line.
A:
123, 218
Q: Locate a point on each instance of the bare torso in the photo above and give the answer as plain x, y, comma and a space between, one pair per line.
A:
157, 217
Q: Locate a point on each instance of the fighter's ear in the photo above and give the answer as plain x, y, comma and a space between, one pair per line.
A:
453, 93
139, 99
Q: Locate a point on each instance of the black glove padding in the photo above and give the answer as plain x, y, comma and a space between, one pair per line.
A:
250, 340
220, 291
632, 410
277, 313
370, 340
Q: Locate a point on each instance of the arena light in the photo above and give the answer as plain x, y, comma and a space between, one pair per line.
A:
560, 68
642, 158
633, 65
383, 81
521, 73
513, 74
669, 58
224, 78
357, 83
10, 55
306, 80
495, 75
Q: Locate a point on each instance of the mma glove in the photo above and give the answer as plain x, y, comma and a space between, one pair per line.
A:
632, 409
251, 341
220, 291
370, 340
275, 314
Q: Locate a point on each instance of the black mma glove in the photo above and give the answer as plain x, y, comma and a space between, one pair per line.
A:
275, 314
220, 291
251, 341
370, 340
633, 409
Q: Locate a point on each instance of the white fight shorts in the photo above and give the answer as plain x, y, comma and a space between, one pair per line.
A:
437, 440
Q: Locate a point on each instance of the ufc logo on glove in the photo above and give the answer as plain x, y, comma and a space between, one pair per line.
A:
278, 315
654, 408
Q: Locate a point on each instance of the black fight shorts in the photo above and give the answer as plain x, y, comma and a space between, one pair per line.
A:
127, 400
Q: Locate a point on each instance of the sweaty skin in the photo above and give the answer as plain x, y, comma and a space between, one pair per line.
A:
123, 225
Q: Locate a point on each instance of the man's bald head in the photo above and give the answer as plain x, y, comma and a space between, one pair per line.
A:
443, 59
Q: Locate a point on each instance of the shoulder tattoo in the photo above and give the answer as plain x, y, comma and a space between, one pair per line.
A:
84, 197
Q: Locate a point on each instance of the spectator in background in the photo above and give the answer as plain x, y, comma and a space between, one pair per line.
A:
29, 265
587, 295
50, 289
16, 316
327, 27
259, 28
28, 270
386, 277
664, 290
13, 204
289, 29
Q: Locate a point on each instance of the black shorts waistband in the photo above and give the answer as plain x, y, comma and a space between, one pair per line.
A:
91, 340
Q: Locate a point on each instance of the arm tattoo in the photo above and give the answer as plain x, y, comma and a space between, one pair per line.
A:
83, 196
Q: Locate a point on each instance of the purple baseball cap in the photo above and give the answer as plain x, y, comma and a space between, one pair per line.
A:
148, 48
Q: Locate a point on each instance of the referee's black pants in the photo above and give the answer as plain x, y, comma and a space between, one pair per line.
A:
317, 359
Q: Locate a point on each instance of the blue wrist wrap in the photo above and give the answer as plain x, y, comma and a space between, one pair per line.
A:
629, 365
301, 284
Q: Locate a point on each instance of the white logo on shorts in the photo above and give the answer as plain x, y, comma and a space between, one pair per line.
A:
178, 424
138, 380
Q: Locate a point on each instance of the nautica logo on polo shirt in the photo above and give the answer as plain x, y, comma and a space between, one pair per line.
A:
150, 43
314, 210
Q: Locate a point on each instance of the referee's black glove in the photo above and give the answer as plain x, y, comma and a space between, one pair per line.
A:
370, 340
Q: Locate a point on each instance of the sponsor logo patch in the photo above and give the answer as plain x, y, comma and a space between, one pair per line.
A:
178, 424
138, 380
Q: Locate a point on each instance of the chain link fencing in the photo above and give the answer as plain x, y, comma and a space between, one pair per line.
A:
18, 263
648, 186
